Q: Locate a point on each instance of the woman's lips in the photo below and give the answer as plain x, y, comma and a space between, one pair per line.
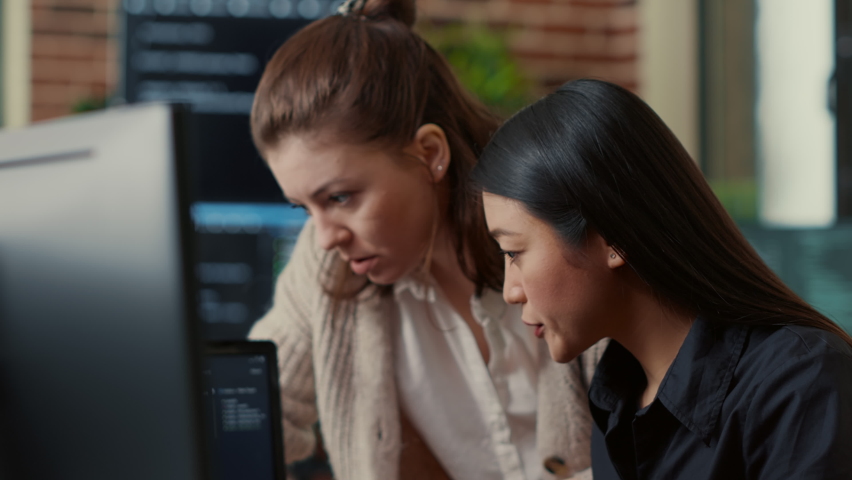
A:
539, 328
361, 266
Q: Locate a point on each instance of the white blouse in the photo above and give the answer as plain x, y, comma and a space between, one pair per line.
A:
478, 420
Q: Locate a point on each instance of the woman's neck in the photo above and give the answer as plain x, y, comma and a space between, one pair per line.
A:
455, 286
445, 269
653, 332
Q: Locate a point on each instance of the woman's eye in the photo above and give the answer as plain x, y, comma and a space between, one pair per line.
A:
301, 207
510, 255
340, 198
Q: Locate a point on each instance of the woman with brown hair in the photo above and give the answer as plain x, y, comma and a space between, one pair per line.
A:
716, 370
390, 327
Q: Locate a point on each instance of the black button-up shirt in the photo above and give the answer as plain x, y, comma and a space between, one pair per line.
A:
738, 402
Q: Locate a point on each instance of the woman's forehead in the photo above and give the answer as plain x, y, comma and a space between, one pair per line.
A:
300, 151
505, 216
303, 166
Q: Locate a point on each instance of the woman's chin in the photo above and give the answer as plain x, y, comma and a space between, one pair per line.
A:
561, 354
383, 277
381, 280
387, 273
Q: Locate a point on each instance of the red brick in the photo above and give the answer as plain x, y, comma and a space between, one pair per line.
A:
622, 44
549, 69
69, 47
607, 4
574, 58
535, 2
112, 66
593, 43
579, 28
102, 5
64, 95
620, 19
70, 71
562, 44
71, 22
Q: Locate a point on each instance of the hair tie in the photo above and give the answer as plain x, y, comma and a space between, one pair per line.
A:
351, 7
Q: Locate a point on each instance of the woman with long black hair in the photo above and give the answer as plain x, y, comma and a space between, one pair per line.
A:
717, 370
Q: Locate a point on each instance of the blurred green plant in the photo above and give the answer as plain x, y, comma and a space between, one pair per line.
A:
90, 103
739, 197
482, 61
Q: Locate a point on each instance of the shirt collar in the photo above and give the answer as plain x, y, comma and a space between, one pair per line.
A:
421, 289
696, 384
490, 305
617, 382
694, 387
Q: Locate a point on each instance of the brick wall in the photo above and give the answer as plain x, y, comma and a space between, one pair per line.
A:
557, 40
74, 51
73, 54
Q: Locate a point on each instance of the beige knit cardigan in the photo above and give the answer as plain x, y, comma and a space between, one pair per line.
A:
339, 369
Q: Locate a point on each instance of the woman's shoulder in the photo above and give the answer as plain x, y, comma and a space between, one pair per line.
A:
794, 341
792, 383
794, 354
786, 407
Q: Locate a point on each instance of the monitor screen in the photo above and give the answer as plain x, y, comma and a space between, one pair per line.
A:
242, 248
99, 351
242, 411
211, 55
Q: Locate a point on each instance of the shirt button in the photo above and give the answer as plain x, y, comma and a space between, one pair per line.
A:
556, 466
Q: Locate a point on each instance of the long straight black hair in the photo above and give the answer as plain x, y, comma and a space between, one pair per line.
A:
594, 155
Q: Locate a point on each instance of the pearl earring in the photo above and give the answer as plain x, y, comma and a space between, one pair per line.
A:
612, 255
440, 167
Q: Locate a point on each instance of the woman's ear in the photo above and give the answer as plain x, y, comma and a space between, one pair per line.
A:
601, 249
614, 259
430, 146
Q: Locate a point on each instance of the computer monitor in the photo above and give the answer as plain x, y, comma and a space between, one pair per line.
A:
100, 361
242, 410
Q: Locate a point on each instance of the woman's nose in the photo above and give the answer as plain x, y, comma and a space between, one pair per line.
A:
330, 234
513, 292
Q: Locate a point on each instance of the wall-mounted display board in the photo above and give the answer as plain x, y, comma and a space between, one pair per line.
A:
210, 54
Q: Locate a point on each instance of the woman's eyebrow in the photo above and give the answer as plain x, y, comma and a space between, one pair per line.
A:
323, 188
326, 186
499, 232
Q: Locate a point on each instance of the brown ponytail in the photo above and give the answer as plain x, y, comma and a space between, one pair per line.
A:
400, 10
366, 77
